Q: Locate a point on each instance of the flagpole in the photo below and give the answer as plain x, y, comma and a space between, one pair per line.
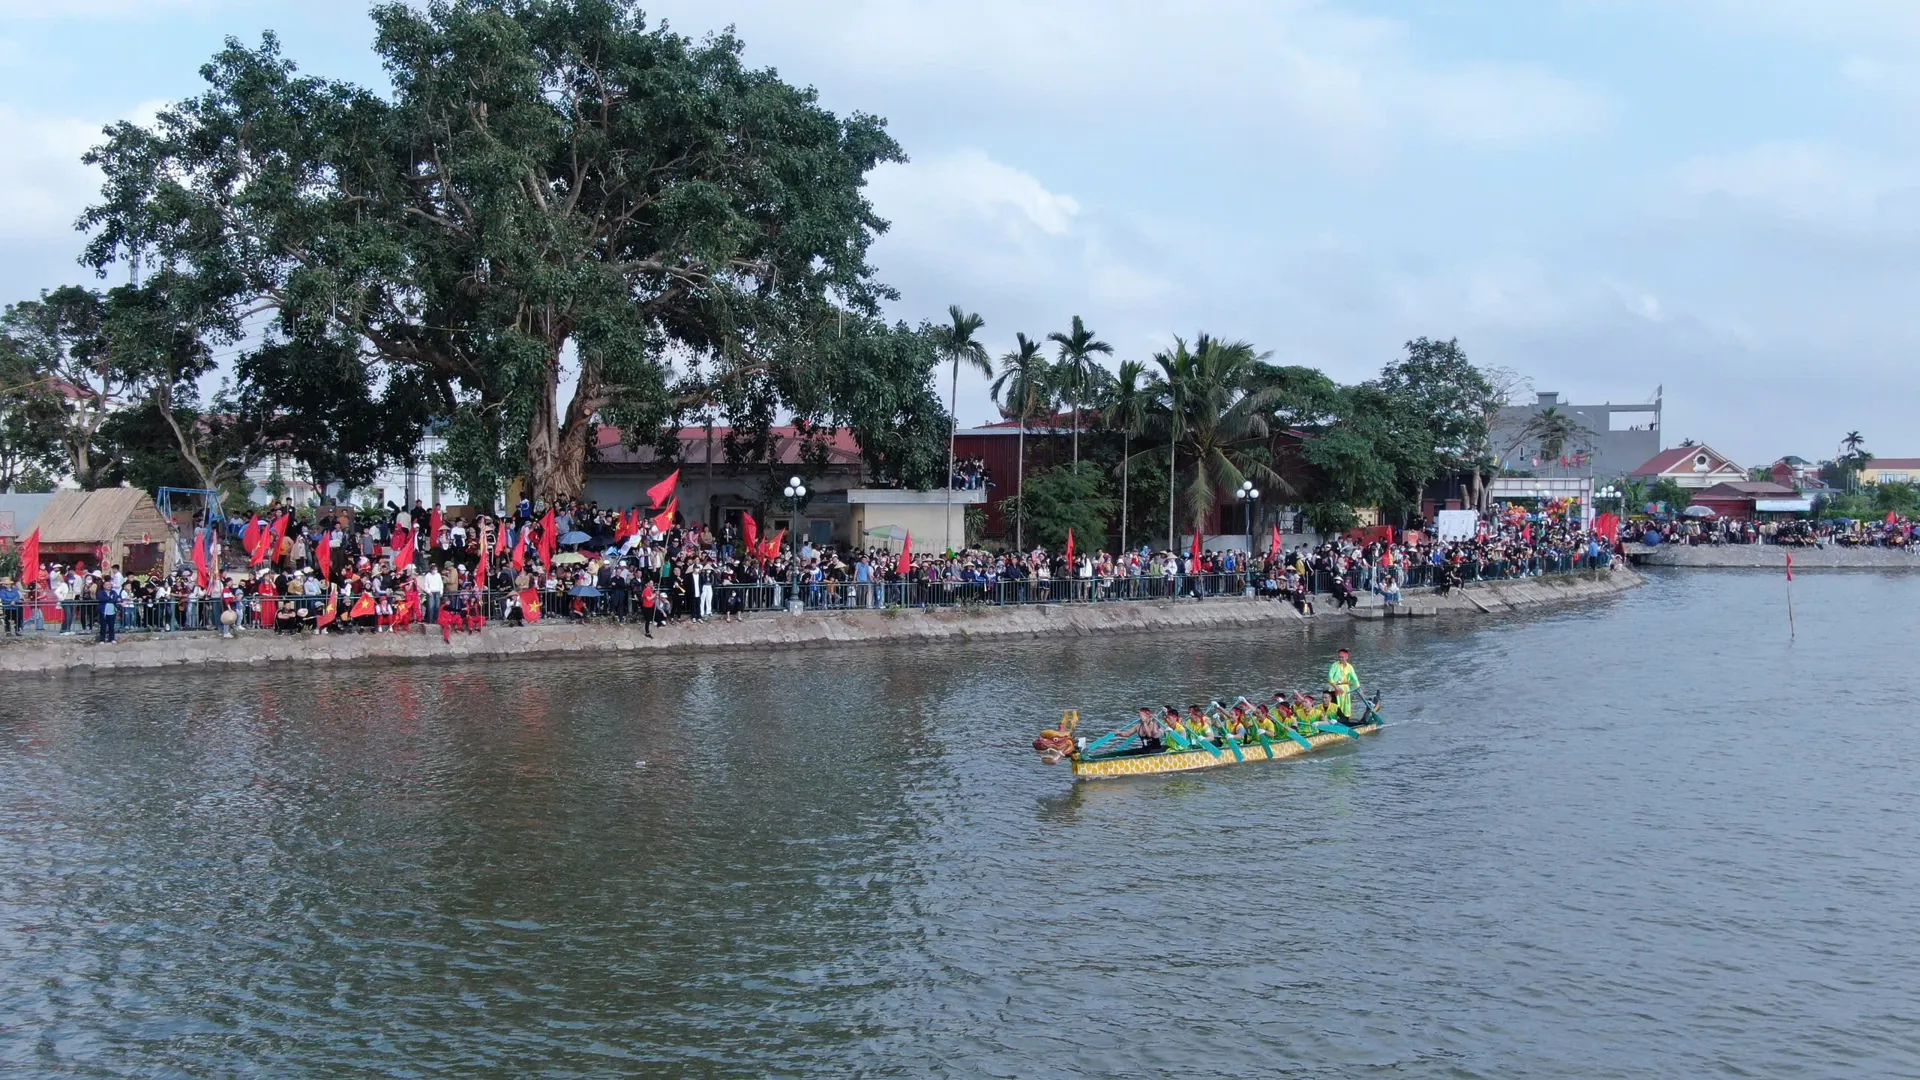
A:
1793, 631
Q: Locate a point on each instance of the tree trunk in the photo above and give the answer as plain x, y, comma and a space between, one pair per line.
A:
1076, 429
556, 445
1172, 465
1020, 489
1125, 441
953, 433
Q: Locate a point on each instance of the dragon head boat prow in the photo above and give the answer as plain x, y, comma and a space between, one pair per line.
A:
1056, 745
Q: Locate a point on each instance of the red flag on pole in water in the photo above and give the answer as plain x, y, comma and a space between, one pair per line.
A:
906, 557
30, 571
1789, 566
520, 548
200, 561
749, 530
1069, 548
664, 519
323, 555
658, 494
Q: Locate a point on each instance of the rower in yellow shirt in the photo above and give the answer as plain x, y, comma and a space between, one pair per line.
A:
1344, 682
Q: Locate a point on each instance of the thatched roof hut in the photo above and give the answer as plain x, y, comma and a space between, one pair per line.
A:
109, 527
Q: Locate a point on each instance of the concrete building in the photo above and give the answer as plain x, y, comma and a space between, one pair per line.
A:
1608, 439
1891, 470
398, 484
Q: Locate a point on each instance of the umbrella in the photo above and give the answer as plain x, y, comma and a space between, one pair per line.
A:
574, 537
568, 557
584, 590
1698, 512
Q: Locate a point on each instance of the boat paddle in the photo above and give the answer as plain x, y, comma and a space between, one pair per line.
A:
1226, 733
1266, 742
1100, 742
1338, 729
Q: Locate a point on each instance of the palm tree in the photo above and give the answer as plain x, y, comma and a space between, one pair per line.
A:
956, 344
1022, 388
1129, 405
1076, 368
1852, 458
1219, 398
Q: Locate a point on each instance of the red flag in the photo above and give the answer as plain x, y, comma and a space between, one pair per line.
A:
261, 549
250, 536
620, 526
530, 605
1526, 535
200, 561
520, 548
485, 550
773, 545
1196, 552
657, 494
749, 530
404, 551
362, 606
1892, 517
499, 538
1069, 547
664, 519
549, 537
323, 554
433, 527
328, 613
1789, 566
1276, 539
30, 570
906, 556
280, 529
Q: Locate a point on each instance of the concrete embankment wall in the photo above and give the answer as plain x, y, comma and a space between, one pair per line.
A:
1772, 557
266, 651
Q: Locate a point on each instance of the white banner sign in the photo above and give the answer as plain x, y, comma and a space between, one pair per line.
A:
1456, 524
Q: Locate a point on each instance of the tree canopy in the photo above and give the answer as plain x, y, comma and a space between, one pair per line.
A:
552, 190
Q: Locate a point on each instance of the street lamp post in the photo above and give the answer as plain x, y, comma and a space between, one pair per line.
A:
1249, 496
794, 491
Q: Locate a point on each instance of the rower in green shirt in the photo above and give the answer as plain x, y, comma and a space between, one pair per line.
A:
1344, 682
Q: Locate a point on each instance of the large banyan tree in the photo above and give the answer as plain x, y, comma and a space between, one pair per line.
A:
552, 191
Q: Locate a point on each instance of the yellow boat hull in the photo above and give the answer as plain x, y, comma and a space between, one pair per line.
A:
1189, 760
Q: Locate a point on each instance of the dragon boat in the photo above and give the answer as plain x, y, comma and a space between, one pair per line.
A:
1108, 757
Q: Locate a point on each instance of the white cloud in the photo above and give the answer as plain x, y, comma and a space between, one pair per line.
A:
1808, 185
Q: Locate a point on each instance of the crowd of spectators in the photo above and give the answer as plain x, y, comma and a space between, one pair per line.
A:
389, 571
1896, 532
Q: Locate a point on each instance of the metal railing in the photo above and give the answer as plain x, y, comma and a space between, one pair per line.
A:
265, 614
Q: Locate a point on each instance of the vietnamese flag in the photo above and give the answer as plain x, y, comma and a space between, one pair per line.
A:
331, 611
323, 554
1196, 553
30, 570
520, 548
774, 543
404, 550
664, 519
905, 566
1069, 546
200, 560
280, 528
749, 530
250, 535
549, 537
499, 538
433, 528
530, 605
262, 547
1276, 539
657, 494
362, 606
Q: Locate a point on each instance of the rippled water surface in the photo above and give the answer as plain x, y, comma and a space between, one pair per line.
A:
1645, 838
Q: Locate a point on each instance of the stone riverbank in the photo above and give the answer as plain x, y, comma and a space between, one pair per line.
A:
265, 651
1772, 557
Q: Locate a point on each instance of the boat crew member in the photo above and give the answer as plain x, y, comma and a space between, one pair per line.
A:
1343, 681
1150, 731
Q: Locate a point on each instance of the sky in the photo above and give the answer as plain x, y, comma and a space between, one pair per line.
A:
1720, 198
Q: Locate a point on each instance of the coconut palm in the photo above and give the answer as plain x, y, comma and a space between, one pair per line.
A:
1128, 406
1219, 399
1078, 371
1021, 390
956, 344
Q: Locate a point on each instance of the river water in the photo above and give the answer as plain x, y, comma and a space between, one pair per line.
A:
1648, 837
